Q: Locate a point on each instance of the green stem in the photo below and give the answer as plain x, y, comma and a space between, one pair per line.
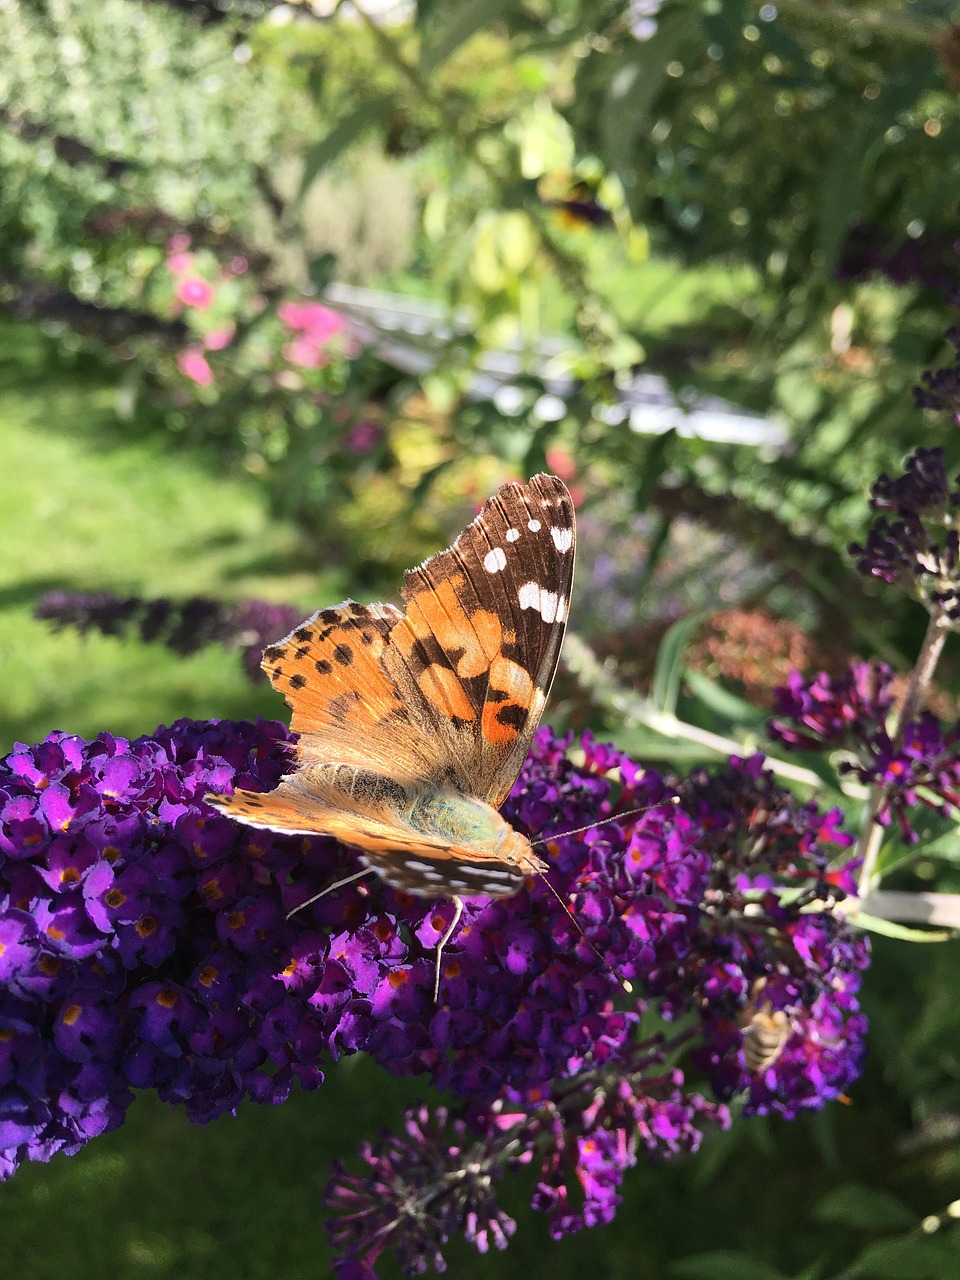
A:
871, 834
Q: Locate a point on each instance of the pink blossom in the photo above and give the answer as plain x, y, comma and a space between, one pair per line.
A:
195, 292
238, 266
192, 364
363, 437
179, 243
305, 352
178, 264
561, 464
217, 339
311, 318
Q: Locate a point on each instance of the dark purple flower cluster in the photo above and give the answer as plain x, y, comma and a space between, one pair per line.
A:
185, 626
919, 762
769, 861
928, 260
720, 902
833, 711
940, 388
917, 547
145, 942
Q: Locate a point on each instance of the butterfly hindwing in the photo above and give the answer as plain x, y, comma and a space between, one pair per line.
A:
371, 812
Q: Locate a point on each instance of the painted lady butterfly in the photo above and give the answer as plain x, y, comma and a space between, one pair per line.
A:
413, 726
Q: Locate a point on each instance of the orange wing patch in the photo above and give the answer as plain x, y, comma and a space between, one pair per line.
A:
439, 615
443, 690
329, 668
503, 720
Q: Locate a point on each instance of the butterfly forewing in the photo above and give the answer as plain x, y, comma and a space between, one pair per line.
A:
483, 629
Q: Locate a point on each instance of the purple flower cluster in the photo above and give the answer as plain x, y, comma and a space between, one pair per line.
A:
763, 842
940, 388
145, 943
928, 260
917, 547
184, 626
833, 711
919, 762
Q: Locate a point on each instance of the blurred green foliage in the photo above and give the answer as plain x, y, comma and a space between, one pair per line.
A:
702, 189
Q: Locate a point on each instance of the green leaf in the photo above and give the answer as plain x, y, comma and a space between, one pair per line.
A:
648, 745
340, 137
843, 180
659, 541
724, 1264
670, 658
939, 837
730, 707
909, 1258
856, 1205
856, 155
724, 28
902, 932
652, 468
322, 270
426, 482
461, 22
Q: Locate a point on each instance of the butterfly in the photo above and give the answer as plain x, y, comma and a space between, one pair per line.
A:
413, 725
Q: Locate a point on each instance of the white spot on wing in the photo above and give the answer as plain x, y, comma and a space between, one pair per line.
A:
547, 603
495, 560
533, 526
513, 535
562, 539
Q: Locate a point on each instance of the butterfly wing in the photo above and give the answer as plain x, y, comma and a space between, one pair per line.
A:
477, 651
372, 813
344, 705
445, 698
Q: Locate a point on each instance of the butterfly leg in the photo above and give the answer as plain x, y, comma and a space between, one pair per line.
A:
337, 884
458, 912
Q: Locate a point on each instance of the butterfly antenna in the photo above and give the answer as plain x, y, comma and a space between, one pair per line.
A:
614, 817
337, 884
630, 813
628, 987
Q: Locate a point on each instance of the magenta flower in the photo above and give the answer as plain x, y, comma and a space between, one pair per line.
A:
316, 321
217, 339
921, 763
826, 711
305, 353
915, 544
194, 291
193, 365
363, 437
180, 262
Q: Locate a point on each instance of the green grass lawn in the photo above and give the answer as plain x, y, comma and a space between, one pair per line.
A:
86, 504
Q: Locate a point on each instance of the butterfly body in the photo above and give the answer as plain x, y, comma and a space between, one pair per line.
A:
413, 726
